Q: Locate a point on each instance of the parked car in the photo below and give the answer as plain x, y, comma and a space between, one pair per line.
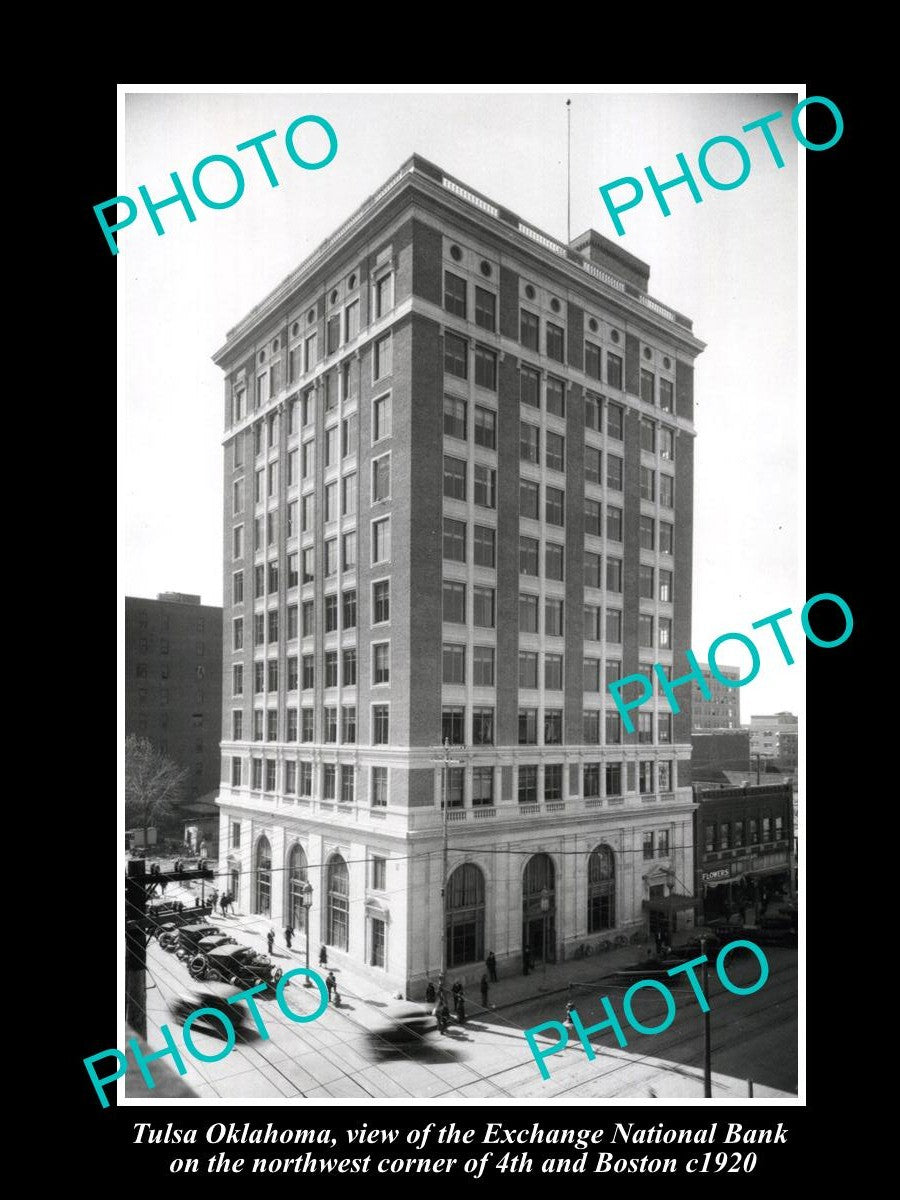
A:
780, 916
238, 965
213, 941
184, 941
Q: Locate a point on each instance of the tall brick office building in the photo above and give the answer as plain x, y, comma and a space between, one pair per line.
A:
458, 481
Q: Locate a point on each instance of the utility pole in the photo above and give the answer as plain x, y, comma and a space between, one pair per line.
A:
446, 762
139, 884
707, 1053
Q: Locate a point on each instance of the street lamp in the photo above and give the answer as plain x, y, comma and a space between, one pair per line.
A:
306, 894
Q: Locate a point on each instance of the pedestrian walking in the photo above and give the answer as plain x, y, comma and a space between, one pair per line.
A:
331, 984
461, 1009
457, 991
430, 994
196, 902
223, 899
288, 936
491, 963
270, 938
484, 991
213, 897
526, 961
323, 957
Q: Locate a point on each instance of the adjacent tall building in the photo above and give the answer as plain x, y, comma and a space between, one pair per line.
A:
774, 739
723, 709
173, 694
458, 481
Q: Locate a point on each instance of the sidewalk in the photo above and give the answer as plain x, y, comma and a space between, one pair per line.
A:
543, 980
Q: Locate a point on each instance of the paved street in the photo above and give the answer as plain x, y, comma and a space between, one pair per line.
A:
344, 1053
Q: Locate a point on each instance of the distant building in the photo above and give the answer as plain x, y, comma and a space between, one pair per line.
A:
718, 753
723, 710
744, 846
201, 826
173, 683
774, 738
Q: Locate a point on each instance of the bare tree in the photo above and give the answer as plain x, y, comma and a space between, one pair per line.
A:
153, 783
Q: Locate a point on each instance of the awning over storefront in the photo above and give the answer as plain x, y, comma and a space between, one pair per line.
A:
670, 904
780, 870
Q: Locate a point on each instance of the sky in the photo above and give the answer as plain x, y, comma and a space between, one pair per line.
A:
730, 263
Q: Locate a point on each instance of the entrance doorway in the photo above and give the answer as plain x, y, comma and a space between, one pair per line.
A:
539, 909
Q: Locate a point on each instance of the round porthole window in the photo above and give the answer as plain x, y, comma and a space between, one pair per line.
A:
592, 325
351, 282
648, 353
615, 335
554, 304
334, 296
485, 267
667, 362
529, 291
455, 253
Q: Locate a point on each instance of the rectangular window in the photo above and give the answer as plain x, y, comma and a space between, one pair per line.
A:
553, 617
590, 727
238, 633
454, 783
293, 673
613, 779
348, 723
307, 725
613, 523
379, 787
592, 674
330, 724
292, 622
235, 782
555, 452
381, 540
348, 667
593, 518
645, 728
348, 620
593, 460
380, 725
528, 669
483, 607
553, 776
456, 356
666, 400
665, 633
485, 486
237, 725
381, 601
556, 396
454, 663
485, 308
645, 629
553, 727
529, 550
592, 623
528, 613
486, 368
648, 435
258, 718
331, 557
592, 567
666, 537
648, 483
308, 618
331, 613
454, 602
453, 726
384, 295
272, 724
591, 780
272, 622
485, 427
529, 500
351, 321
290, 778
555, 342
529, 329
664, 776
593, 412
614, 625
482, 786
237, 588
484, 552
665, 586
455, 417
270, 775
237, 680
309, 560
455, 294
553, 561
527, 734
666, 443
647, 533
664, 729
348, 495
454, 540
553, 672
329, 781
645, 584
382, 358
482, 666
381, 418
454, 478
237, 542
613, 370
381, 478
666, 490
592, 360
662, 843
348, 552
645, 777
648, 387
529, 387
648, 840
529, 443
259, 629
307, 674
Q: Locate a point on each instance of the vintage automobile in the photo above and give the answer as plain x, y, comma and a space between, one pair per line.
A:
400, 1030
213, 941
238, 965
214, 995
183, 941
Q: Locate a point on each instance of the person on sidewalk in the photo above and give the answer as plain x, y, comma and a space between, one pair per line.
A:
484, 991
430, 993
491, 963
457, 990
461, 1009
288, 936
526, 960
331, 984
323, 956
270, 938
223, 902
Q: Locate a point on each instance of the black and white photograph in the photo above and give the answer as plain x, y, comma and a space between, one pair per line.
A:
463, 612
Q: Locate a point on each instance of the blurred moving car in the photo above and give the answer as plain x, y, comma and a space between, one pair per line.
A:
215, 995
